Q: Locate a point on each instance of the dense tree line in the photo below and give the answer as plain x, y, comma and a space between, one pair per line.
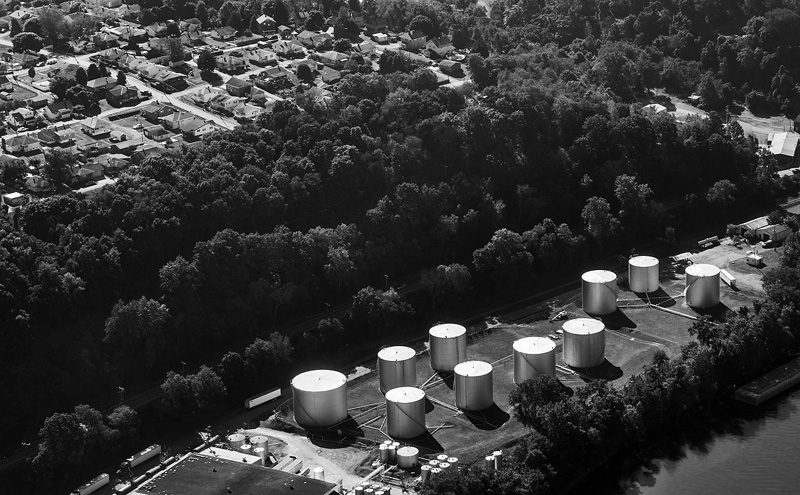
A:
572, 434
542, 162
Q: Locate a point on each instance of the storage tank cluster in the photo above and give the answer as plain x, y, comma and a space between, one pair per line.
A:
372, 488
442, 463
320, 398
643, 274
534, 356
584, 342
493, 461
702, 286
599, 289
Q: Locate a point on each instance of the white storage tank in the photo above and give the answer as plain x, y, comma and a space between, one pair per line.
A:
246, 448
643, 274
448, 346
260, 441
584, 342
318, 473
702, 286
235, 442
474, 386
397, 367
534, 356
320, 398
425, 473
262, 454
407, 457
599, 292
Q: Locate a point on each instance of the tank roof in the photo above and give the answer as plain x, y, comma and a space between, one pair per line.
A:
447, 331
236, 436
534, 345
397, 353
599, 276
583, 326
407, 451
405, 395
643, 261
473, 368
319, 380
702, 270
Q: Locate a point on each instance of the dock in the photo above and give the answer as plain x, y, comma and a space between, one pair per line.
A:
771, 384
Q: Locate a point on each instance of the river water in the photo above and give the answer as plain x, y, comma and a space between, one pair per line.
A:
751, 451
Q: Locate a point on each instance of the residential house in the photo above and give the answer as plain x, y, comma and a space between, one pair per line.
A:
413, 41
441, 46
156, 133
58, 110
247, 113
451, 68
375, 24
261, 57
5, 84
122, 95
318, 41
173, 122
190, 25
129, 11
113, 162
147, 151
24, 60
284, 31
169, 81
105, 40
22, 117
155, 110
288, 48
334, 60
330, 76
783, 145
132, 34
101, 84
238, 87
81, 174
774, 233
96, 128
127, 147
110, 4
266, 24
21, 144
38, 101
196, 127
226, 33
85, 145
380, 38
37, 184
157, 30
49, 137
228, 63
365, 48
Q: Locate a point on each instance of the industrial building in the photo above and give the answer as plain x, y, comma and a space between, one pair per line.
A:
584, 342
320, 398
199, 474
599, 289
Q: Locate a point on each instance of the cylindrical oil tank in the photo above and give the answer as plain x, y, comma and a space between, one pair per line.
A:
448, 346
397, 367
259, 441
433, 463
246, 448
392, 454
444, 466
435, 471
534, 356
407, 457
384, 453
405, 412
599, 292
584, 342
498, 459
702, 286
488, 462
359, 490
441, 458
425, 472
474, 385
235, 441
262, 454
453, 461
320, 398
643, 274
319, 473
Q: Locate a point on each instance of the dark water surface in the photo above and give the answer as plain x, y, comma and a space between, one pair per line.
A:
748, 450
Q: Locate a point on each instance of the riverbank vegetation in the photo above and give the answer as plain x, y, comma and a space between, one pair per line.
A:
544, 162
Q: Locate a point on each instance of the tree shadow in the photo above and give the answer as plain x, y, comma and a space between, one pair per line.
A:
604, 371
617, 320
717, 313
488, 419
